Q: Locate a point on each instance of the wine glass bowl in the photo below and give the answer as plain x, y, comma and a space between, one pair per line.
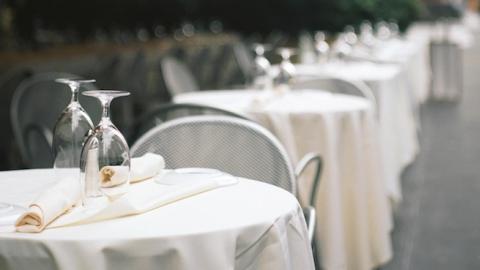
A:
105, 159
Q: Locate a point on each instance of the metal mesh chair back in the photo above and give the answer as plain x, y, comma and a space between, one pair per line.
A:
338, 85
177, 76
170, 111
236, 146
38, 102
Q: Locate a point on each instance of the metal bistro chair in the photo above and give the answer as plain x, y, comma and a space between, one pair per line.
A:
177, 77
36, 105
339, 85
236, 146
245, 61
170, 111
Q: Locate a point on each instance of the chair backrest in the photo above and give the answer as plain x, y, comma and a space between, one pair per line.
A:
177, 76
236, 146
338, 85
36, 105
245, 60
170, 111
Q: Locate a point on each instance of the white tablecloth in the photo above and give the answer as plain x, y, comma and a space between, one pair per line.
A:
414, 57
354, 219
250, 225
397, 119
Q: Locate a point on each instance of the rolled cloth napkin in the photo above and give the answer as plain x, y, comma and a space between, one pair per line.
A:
141, 168
63, 195
52, 203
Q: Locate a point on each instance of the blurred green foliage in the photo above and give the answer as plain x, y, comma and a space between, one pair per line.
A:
353, 12
247, 16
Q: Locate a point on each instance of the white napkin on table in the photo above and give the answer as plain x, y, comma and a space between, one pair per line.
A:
141, 198
52, 203
141, 168
52, 208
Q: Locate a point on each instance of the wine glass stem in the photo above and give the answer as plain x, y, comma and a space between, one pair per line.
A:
74, 87
105, 108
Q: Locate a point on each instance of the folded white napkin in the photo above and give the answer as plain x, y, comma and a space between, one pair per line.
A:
141, 168
141, 197
52, 207
52, 203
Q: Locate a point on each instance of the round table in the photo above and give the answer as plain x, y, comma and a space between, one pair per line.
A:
250, 225
354, 219
397, 112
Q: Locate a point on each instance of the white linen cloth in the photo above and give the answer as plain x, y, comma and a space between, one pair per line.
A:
145, 167
396, 111
449, 41
250, 225
455, 32
64, 194
354, 219
52, 203
414, 58
141, 197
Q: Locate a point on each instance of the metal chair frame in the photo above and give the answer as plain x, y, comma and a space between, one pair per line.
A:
363, 89
171, 79
162, 113
259, 132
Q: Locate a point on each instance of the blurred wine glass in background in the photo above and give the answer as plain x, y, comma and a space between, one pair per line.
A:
321, 46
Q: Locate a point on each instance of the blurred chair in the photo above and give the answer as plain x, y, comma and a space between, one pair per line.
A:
338, 85
236, 146
36, 105
9, 81
245, 61
225, 70
105, 69
170, 111
178, 78
200, 63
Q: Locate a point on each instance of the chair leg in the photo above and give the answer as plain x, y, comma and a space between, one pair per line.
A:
316, 257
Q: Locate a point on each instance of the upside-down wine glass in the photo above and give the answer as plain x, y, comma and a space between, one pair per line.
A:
321, 46
367, 36
105, 160
262, 68
382, 31
350, 36
341, 49
287, 69
69, 133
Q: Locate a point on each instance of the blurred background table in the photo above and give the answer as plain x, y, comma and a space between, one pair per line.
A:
245, 226
354, 219
397, 111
